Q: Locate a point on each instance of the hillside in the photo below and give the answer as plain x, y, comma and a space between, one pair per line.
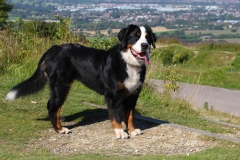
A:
27, 133
211, 64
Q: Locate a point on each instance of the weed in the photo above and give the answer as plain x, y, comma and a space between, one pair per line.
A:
170, 80
205, 106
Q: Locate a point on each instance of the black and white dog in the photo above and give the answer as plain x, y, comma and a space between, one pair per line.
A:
118, 74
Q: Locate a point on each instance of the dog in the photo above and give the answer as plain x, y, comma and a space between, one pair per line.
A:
117, 73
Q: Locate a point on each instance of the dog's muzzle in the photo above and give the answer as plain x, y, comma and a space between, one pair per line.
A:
141, 56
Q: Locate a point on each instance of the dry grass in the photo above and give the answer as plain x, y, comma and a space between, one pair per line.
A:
105, 32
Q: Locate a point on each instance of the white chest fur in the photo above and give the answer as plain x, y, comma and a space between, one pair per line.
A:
133, 80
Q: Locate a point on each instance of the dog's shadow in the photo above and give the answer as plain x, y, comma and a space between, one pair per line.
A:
91, 116
88, 116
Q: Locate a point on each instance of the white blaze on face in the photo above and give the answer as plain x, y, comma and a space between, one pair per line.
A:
137, 46
134, 55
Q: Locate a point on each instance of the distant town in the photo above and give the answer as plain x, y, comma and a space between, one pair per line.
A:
135, 13
172, 14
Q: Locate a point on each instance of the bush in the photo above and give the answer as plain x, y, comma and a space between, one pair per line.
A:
175, 55
166, 56
103, 43
23, 40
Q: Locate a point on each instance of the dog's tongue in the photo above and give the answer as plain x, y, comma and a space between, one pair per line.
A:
142, 56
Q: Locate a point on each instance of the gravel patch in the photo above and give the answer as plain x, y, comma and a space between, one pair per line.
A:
98, 137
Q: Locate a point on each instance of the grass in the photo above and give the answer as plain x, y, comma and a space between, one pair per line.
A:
215, 65
22, 120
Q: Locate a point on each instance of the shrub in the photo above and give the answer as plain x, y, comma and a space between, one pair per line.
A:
103, 43
166, 56
23, 41
182, 55
175, 55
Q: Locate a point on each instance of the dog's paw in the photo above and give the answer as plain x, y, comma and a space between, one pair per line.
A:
120, 134
64, 131
136, 132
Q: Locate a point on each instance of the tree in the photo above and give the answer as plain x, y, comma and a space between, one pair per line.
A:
4, 9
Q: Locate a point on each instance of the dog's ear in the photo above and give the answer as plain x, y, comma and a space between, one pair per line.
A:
152, 35
122, 37
124, 34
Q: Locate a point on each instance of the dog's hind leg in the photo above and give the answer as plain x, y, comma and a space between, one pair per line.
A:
59, 92
128, 109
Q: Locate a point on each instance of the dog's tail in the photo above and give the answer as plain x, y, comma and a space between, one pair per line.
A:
32, 85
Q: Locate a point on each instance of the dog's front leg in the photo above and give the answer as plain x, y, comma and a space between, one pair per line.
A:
116, 116
120, 134
128, 108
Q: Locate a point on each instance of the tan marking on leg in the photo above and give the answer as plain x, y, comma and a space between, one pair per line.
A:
128, 115
120, 134
61, 129
58, 123
116, 125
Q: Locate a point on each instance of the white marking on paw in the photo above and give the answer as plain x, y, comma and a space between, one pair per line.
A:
64, 131
11, 95
120, 134
136, 132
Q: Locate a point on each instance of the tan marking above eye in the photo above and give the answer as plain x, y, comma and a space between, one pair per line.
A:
138, 34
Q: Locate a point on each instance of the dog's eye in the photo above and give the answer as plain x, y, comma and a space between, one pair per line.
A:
138, 34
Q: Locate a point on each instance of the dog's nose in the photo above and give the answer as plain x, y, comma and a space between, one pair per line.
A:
144, 46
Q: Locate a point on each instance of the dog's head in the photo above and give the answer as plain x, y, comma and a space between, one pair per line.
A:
135, 44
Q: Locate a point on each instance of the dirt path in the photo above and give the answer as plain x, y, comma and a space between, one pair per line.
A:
98, 137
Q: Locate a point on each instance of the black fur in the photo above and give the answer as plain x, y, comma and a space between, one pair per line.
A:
100, 70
